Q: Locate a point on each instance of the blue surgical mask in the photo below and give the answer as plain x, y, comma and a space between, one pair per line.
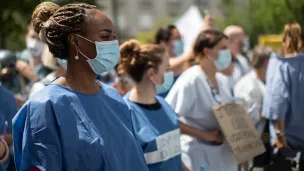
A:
107, 56
178, 47
166, 85
63, 63
224, 60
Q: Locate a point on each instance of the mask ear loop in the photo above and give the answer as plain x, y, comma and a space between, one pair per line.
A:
85, 38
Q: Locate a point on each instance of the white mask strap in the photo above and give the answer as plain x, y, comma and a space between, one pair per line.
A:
84, 55
85, 38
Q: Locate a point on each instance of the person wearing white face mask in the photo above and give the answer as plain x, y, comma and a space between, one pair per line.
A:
192, 97
31, 57
238, 45
155, 124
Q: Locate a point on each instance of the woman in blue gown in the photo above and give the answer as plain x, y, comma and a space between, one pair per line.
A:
76, 122
155, 123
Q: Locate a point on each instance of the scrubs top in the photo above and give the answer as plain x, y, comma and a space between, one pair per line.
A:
61, 129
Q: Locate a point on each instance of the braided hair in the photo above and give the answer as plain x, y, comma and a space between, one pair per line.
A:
54, 24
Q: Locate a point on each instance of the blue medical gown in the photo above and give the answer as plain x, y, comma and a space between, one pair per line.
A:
159, 135
60, 129
8, 107
284, 97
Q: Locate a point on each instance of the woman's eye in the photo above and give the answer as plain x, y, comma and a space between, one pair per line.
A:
105, 37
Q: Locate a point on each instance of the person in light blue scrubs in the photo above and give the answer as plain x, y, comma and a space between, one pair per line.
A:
155, 123
77, 123
283, 99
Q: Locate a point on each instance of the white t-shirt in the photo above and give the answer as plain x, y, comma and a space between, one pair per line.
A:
251, 90
192, 98
241, 68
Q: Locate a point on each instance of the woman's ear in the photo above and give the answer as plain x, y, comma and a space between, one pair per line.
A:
150, 73
73, 40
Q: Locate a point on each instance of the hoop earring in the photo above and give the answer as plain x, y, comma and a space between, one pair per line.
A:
77, 57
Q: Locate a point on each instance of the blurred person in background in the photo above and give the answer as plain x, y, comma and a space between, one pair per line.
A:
238, 43
32, 55
122, 83
170, 38
251, 90
11, 78
208, 24
59, 65
282, 102
155, 124
192, 97
292, 42
8, 109
76, 122
4, 149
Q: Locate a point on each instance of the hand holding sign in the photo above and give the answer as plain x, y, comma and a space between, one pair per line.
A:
239, 131
213, 137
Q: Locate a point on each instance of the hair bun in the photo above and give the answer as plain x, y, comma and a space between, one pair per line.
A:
42, 14
129, 51
129, 48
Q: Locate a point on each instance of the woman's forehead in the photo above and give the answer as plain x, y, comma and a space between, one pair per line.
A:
98, 21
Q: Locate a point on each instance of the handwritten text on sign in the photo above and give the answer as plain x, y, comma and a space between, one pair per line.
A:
239, 131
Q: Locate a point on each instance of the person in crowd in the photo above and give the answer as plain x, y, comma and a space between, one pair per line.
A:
192, 97
251, 90
8, 109
237, 45
284, 92
155, 124
13, 78
76, 122
170, 38
32, 55
122, 83
4, 150
9, 75
292, 42
61, 66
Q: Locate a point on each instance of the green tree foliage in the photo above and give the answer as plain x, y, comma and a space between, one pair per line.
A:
259, 17
15, 15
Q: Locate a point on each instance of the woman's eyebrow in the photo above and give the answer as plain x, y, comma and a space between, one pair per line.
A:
107, 30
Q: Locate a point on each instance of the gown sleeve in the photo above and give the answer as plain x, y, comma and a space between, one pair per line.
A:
182, 97
276, 100
36, 138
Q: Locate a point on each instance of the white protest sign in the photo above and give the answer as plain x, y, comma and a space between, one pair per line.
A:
189, 25
239, 131
168, 146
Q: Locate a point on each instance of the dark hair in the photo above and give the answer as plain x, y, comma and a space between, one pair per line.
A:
54, 24
259, 55
207, 39
135, 59
164, 34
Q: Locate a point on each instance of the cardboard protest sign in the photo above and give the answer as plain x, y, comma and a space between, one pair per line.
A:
239, 131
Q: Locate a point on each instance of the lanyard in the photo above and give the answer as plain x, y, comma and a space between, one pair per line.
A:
215, 94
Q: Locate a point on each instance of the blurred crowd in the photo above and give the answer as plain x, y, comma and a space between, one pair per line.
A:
219, 68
